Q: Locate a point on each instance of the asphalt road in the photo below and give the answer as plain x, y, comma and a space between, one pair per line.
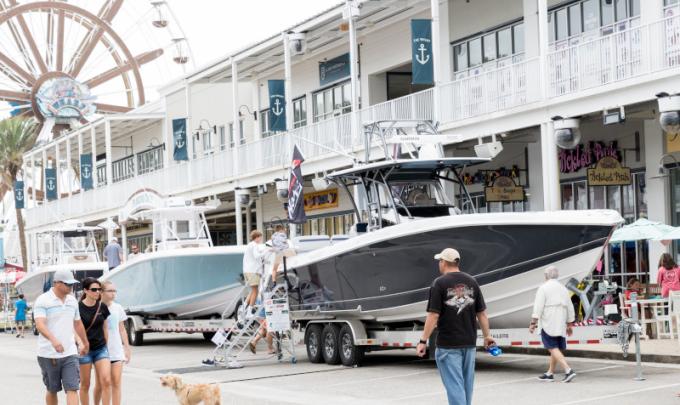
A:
386, 378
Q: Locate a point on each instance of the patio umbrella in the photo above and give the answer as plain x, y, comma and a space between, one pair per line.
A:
642, 229
671, 235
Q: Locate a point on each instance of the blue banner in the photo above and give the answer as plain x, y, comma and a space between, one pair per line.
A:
421, 52
86, 171
334, 69
19, 194
179, 137
277, 105
51, 183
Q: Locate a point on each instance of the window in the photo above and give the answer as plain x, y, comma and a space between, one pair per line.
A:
621, 9
518, 38
489, 47
591, 15
460, 57
504, 43
475, 51
585, 16
242, 138
607, 10
264, 123
223, 137
575, 20
332, 101
207, 141
299, 112
561, 25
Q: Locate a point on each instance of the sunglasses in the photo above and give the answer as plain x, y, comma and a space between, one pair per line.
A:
61, 282
95, 289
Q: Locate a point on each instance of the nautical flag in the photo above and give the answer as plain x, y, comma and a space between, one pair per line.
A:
179, 137
86, 171
421, 52
277, 105
296, 201
51, 183
18, 194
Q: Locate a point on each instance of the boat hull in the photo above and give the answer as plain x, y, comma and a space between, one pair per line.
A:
182, 283
385, 276
39, 281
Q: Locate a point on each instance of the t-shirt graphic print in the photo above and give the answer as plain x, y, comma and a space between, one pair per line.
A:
460, 297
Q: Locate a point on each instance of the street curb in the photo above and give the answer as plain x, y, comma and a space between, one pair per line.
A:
592, 354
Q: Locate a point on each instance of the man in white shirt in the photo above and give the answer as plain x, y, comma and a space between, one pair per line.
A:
554, 315
253, 265
57, 318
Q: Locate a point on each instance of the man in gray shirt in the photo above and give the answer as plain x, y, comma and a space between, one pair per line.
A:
113, 253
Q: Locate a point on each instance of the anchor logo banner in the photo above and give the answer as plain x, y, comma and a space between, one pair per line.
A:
86, 171
51, 183
277, 105
421, 52
19, 194
179, 137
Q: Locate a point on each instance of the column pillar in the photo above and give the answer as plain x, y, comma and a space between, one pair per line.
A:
543, 46
288, 85
44, 180
109, 154
258, 127
551, 176
259, 219
236, 148
34, 181
445, 61
436, 59
650, 11
69, 167
658, 189
57, 156
351, 11
95, 176
249, 220
123, 241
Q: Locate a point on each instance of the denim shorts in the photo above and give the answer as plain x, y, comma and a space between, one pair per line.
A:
58, 373
553, 342
94, 356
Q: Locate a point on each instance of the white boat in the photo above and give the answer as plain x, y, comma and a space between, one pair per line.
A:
71, 246
183, 276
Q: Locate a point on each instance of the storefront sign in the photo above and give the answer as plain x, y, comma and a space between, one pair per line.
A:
140, 201
179, 137
504, 189
334, 69
582, 156
672, 143
609, 172
421, 52
277, 105
321, 200
18, 194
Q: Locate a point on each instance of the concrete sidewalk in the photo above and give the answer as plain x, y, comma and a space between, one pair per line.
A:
653, 351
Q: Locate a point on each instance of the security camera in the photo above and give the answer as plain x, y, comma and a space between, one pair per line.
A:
567, 132
242, 196
297, 43
320, 184
669, 108
282, 190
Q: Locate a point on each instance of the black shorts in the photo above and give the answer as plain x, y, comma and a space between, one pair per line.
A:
553, 342
58, 373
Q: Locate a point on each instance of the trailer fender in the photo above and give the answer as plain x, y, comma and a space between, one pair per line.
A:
357, 327
137, 322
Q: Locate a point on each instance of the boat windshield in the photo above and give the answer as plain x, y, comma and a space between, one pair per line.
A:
77, 242
419, 194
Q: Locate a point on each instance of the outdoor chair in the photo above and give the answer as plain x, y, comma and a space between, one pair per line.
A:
625, 309
663, 317
674, 311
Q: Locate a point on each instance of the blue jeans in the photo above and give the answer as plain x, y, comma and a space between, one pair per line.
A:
457, 369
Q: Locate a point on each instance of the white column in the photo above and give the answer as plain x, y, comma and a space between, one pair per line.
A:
57, 169
93, 137
288, 76
43, 177
352, 11
436, 59
190, 139
551, 175
531, 29
650, 11
109, 154
259, 217
34, 180
658, 189
123, 240
80, 152
543, 43
69, 167
258, 128
236, 148
445, 59
249, 220
535, 175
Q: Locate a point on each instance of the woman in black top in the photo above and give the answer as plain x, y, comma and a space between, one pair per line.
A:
93, 313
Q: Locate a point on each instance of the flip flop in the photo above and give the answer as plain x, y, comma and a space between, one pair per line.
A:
251, 346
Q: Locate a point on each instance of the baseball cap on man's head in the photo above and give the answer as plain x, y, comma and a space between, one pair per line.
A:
114, 239
64, 276
450, 255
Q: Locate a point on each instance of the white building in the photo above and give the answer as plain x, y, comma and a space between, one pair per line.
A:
502, 67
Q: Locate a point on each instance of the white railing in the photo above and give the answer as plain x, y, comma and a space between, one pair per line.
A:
619, 56
491, 91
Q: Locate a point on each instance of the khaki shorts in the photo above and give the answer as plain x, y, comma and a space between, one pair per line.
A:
252, 279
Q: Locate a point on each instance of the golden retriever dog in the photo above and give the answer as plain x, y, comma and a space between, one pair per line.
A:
192, 394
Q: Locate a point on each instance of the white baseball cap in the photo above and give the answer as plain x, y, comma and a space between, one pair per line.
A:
114, 239
64, 276
448, 254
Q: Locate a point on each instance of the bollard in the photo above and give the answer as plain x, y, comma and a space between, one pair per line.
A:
638, 354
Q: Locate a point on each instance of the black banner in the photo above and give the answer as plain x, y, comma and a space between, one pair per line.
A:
296, 201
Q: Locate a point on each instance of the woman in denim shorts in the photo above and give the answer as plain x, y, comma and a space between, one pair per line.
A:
94, 314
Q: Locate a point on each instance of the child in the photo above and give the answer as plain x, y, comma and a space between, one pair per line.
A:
279, 245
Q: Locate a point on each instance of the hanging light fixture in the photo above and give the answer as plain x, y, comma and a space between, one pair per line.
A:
160, 21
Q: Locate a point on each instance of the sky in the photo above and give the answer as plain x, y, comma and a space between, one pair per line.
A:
217, 27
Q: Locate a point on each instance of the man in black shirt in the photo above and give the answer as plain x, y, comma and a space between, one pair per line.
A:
455, 305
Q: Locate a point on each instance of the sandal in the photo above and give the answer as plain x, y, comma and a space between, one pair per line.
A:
252, 348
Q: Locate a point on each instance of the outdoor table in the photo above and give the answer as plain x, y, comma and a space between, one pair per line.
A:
654, 304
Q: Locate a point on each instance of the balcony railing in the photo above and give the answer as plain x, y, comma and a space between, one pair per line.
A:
150, 159
123, 168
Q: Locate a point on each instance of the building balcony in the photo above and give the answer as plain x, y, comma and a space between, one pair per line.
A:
634, 56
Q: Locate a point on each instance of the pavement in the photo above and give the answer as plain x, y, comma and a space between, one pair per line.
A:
390, 377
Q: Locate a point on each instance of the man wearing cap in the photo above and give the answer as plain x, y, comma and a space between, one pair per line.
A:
455, 305
113, 253
57, 318
554, 315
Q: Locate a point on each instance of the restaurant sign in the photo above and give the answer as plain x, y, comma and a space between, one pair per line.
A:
504, 189
321, 200
609, 172
584, 155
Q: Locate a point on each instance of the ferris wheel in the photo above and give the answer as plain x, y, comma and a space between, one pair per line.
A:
62, 61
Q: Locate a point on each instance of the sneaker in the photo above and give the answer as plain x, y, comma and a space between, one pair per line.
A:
208, 362
546, 377
569, 376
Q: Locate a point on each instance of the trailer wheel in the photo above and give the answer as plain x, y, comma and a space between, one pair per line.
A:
313, 343
136, 338
329, 343
350, 354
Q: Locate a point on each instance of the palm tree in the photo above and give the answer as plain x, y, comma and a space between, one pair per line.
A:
17, 136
